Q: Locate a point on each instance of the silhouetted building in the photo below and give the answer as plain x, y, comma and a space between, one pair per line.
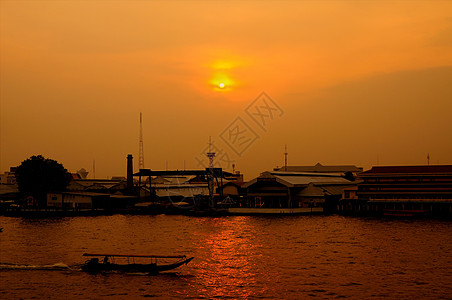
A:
295, 190
234, 176
110, 186
232, 189
87, 200
406, 189
178, 188
9, 192
83, 173
8, 177
177, 185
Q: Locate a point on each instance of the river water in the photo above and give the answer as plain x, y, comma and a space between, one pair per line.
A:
236, 257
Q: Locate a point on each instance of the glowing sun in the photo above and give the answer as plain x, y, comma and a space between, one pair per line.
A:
221, 85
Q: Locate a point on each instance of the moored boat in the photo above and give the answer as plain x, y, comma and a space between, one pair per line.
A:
128, 265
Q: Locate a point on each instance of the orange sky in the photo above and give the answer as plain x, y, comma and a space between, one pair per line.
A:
359, 82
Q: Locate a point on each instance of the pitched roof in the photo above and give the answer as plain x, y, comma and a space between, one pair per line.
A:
174, 180
296, 179
182, 191
319, 168
311, 191
435, 169
334, 189
304, 180
233, 183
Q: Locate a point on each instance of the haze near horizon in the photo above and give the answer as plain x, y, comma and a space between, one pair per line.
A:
346, 82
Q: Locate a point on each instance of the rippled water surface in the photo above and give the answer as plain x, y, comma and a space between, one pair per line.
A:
293, 257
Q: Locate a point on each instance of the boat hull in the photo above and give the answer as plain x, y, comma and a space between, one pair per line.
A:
93, 266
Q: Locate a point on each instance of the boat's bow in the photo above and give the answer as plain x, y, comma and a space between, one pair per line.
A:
174, 265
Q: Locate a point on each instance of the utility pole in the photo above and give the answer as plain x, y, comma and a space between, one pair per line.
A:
211, 155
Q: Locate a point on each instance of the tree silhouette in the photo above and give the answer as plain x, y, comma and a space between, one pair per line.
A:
37, 176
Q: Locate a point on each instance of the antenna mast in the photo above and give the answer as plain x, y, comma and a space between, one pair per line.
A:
210, 154
141, 152
285, 158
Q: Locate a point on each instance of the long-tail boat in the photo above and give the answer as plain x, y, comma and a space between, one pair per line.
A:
126, 263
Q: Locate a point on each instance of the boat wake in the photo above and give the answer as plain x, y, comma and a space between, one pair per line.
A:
55, 267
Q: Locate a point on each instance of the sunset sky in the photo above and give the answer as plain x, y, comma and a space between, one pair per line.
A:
350, 82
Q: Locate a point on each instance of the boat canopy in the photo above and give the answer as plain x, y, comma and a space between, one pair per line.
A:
134, 255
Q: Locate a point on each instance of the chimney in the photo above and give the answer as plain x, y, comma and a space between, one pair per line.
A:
130, 173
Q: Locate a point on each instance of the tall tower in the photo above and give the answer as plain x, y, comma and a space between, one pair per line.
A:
141, 152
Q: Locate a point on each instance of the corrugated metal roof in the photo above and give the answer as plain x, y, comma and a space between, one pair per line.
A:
188, 191
320, 168
81, 193
320, 191
172, 179
334, 189
305, 180
311, 191
435, 169
294, 179
305, 174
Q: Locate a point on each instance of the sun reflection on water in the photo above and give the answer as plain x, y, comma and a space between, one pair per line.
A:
230, 270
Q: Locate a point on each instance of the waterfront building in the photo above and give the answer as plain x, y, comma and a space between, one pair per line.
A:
404, 188
295, 190
8, 177
349, 199
176, 184
179, 188
235, 176
9, 192
109, 186
232, 189
87, 200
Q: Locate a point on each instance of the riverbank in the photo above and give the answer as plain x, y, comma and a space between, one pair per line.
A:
49, 213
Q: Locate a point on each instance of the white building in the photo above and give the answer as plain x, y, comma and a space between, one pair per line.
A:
76, 200
8, 177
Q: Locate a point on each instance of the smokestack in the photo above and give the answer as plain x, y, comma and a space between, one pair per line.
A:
130, 173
